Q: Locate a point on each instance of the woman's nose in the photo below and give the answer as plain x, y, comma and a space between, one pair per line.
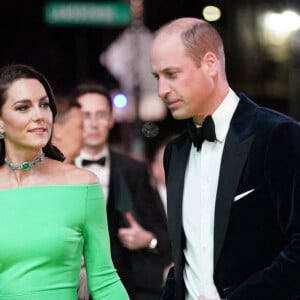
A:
38, 114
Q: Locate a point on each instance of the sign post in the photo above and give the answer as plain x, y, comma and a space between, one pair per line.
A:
87, 13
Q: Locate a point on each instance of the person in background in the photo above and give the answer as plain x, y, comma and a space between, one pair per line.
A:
158, 174
137, 230
159, 185
68, 128
51, 213
68, 137
233, 178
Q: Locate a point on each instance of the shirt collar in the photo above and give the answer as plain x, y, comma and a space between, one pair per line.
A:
222, 116
84, 155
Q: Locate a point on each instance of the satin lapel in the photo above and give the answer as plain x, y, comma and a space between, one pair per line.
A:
236, 149
111, 189
175, 184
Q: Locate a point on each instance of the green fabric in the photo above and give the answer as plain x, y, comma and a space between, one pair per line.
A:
43, 232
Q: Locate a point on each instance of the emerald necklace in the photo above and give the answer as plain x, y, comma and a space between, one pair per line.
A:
26, 165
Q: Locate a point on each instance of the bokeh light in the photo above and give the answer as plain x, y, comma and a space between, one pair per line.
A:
120, 100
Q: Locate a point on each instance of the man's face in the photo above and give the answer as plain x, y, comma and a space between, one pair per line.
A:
182, 85
97, 120
68, 136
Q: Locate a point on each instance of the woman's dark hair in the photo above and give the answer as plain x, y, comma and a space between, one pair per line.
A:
8, 75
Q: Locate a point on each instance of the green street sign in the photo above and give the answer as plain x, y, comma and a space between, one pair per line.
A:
87, 13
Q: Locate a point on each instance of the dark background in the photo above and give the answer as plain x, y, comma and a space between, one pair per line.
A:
68, 55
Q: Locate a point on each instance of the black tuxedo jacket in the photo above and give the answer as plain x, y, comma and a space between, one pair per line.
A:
256, 238
130, 189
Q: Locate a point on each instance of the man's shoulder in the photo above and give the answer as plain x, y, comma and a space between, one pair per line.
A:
264, 113
123, 159
274, 116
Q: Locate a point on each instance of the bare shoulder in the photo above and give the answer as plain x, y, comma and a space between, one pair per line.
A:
70, 174
83, 176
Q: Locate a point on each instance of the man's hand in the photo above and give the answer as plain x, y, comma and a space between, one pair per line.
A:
166, 272
135, 236
204, 298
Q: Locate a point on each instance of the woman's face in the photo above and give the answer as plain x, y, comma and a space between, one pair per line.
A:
26, 117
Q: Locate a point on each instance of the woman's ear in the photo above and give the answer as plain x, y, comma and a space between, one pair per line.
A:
1, 126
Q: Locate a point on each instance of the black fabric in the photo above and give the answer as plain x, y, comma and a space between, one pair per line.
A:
140, 270
205, 132
100, 161
169, 290
256, 238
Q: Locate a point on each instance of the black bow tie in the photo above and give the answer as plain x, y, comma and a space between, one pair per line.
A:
100, 161
205, 132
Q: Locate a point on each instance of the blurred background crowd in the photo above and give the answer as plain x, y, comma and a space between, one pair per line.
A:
108, 41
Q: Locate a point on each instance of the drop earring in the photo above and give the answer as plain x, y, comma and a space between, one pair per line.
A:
1, 135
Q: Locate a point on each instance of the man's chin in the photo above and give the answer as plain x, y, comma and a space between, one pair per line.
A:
93, 143
179, 116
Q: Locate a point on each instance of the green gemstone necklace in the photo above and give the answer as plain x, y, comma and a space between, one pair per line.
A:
26, 165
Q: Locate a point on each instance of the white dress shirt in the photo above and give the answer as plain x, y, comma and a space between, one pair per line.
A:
162, 190
199, 198
102, 172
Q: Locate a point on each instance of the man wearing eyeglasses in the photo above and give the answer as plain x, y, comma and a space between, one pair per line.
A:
139, 241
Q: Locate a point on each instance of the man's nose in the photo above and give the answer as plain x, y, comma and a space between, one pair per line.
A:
163, 88
93, 120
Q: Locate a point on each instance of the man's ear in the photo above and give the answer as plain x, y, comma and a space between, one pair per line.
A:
57, 131
211, 63
111, 123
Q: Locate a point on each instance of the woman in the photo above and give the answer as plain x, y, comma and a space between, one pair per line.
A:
50, 213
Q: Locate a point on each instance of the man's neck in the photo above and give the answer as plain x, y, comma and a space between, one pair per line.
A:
94, 151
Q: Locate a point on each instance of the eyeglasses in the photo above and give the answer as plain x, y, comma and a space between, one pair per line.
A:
99, 117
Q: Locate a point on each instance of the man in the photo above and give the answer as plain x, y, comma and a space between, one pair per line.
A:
68, 128
138, 231
234, 200
159, 184
158, 173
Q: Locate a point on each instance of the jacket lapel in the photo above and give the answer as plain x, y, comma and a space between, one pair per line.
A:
175, 183
238, 142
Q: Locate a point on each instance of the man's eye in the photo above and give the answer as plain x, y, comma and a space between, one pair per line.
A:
86, 116
102, 115
171, 74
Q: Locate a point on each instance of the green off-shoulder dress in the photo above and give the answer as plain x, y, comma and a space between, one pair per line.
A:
43, 232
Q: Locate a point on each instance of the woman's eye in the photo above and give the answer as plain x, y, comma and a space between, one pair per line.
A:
22, 108
45, 105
